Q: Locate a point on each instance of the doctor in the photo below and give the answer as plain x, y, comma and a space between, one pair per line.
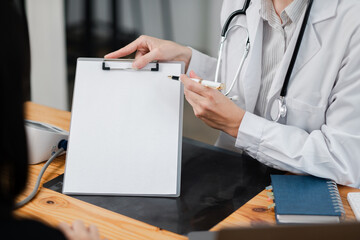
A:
320, 133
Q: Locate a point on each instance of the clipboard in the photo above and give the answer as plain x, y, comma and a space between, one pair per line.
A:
126, 129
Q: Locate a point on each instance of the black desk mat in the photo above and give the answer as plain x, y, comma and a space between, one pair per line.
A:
214, 183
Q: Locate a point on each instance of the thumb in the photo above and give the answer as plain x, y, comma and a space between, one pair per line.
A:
142, 61
192, 74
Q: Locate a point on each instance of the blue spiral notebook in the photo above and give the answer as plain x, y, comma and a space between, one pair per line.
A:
306, 199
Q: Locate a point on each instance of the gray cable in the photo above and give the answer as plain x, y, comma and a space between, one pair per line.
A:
37, 184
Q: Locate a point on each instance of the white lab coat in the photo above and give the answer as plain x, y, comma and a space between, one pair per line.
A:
321, 133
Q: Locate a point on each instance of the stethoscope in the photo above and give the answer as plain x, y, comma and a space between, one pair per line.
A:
278, 109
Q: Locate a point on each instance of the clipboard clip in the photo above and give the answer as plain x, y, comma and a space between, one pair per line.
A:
108, 65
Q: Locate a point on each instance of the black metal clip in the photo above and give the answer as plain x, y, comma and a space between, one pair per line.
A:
107, 68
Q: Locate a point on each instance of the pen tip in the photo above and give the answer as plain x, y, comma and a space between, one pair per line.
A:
169, 76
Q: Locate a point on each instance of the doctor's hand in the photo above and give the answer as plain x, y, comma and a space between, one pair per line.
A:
212, 107
149, 49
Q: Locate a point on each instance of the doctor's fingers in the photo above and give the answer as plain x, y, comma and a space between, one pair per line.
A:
199, 104
200, 109
139, 54
192, 74
142, 58
147, 49
197, 87
128, 49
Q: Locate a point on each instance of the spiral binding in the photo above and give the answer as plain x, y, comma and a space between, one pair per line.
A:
335, 198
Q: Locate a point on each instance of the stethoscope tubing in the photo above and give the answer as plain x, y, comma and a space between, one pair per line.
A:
232, 15
246, 52
224, 33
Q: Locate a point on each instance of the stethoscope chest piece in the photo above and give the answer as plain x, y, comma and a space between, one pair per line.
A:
278, 109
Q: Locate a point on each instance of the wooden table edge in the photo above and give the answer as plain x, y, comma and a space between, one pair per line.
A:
252, 213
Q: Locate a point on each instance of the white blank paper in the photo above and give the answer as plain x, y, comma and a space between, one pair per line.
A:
126, 131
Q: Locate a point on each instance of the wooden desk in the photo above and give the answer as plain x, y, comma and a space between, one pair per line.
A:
53, 207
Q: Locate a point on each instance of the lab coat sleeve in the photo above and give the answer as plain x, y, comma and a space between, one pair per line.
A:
333, 151
203, 65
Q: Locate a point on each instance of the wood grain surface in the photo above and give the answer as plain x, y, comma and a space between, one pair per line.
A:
52, 207
255, 211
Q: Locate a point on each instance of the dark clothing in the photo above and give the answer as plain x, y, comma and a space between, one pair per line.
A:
11, 229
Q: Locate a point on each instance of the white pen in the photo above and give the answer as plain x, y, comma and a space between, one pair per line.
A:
207, 83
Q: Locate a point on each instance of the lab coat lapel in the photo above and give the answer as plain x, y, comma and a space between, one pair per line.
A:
310, 46
252, 74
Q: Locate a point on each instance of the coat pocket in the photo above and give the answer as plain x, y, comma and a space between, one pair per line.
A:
304, 115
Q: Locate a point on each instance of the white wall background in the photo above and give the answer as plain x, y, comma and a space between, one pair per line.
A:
194, 23
47, 47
